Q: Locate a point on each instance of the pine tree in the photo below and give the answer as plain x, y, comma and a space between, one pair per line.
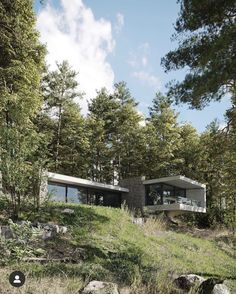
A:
163, 139
60, 88
21, 64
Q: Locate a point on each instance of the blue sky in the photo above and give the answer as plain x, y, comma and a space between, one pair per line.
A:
110, 41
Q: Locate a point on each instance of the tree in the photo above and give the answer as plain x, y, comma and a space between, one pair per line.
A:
101, 128
21, 65
163, 139
206, 32
189, 151
59, 88
128, 140
116, 138
74, 144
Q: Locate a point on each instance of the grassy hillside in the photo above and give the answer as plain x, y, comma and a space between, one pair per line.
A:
104, 244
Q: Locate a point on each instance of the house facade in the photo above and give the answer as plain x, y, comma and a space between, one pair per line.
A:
175, 194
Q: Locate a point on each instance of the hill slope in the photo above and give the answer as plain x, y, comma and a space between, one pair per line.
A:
104, 244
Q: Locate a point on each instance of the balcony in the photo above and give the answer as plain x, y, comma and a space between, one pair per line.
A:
175, 194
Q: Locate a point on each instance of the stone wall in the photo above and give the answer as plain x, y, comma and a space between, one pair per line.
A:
0, 183
43, 190
135, 199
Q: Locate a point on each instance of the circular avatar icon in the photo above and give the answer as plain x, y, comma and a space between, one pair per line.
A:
17, 279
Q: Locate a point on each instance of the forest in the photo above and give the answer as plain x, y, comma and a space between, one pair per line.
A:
42, 126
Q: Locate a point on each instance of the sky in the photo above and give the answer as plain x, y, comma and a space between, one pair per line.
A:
110, 41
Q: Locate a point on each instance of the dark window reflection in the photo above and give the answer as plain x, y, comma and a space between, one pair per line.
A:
83, 195
160, 193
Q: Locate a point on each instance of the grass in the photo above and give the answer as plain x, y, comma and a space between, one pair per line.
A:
106, 245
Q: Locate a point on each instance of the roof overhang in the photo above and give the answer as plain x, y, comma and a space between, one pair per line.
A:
177, 181
59, 178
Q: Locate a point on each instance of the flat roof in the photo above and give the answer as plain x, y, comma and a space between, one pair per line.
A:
177, 181
59, 178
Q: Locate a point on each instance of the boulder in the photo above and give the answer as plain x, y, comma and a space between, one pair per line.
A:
63, 229
6, 232
98, 287
68, 211
208, 285
220, 289
186, 282
50, 231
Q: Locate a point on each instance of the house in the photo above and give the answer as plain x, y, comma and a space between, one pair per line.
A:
174, 194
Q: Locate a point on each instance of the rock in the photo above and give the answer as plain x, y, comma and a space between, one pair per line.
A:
138, 221
208, 285
63, 229
50, 232
220, 289
6, 232
47, 235
97, 287
186, 282
68, 211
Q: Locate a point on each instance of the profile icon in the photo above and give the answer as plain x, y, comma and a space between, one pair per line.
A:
17, 279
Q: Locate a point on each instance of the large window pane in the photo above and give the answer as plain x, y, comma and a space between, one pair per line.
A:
57, 192
77, 195
154, 194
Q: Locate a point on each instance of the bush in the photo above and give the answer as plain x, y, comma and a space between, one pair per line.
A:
20, 246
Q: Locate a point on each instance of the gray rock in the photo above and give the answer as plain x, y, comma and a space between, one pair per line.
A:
50, 232
68, 211
63, 229
186, 282
6, 232
208, 285
98, 287
138, 221
220, 289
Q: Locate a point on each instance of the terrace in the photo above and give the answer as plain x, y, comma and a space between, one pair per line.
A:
176, 194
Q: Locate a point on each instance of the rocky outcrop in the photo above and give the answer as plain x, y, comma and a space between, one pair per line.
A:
44, 231
220, 289
98, 287
203, 286
186, 282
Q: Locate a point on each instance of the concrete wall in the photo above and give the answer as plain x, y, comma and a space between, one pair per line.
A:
135, 198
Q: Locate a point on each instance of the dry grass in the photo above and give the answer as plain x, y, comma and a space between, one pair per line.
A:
53, 285
154, 226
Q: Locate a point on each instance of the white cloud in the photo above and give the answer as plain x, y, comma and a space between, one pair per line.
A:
120, 21
72, 33
147, 79
139, 58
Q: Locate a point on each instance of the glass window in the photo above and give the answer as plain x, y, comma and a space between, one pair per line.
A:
154, 194
179, 192
57, 192
76, 195
168, 190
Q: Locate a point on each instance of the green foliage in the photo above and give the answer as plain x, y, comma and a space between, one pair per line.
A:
163, 139
113, 248
206, 33
59, 88
21, 64
20, 246
114, 126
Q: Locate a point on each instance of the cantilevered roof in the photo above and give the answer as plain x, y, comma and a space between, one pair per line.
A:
177, 181
59, 178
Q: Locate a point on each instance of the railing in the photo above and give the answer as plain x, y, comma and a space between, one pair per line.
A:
181, 200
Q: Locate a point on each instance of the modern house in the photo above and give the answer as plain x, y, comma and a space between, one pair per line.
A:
175, 194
